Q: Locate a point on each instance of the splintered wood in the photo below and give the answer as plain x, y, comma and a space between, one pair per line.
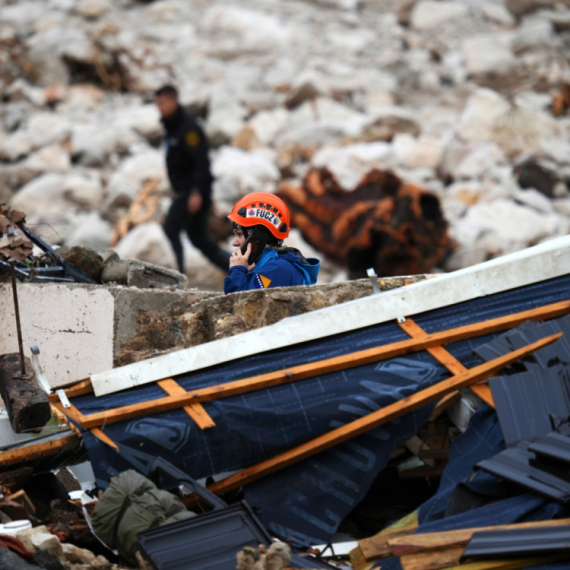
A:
444, 549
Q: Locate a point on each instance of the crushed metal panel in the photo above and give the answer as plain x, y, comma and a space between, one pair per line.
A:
523, 541
514, 464
554, 446
210, 541
527, 403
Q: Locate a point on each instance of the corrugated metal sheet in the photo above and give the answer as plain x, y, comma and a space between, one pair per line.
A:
520, 542
531, 404
515, 464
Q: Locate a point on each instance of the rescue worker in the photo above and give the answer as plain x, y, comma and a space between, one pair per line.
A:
188, 166
260, 224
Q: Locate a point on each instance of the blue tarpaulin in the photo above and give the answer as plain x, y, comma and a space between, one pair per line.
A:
306, 501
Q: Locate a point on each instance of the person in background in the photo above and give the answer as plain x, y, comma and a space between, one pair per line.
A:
260, 224
188, 167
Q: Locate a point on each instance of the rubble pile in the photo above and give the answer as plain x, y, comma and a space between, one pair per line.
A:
453, 96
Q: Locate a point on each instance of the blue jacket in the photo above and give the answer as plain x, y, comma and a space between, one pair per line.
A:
273, 270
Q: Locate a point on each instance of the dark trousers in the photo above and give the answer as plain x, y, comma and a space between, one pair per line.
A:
196, 226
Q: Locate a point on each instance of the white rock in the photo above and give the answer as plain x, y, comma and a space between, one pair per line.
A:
349, 164
516, 226
127, 181
498, 13
473, 161
92, 231
459, 196
47, 48
535, 199
421, 152
238, 172
52, 197
267, 125
533, 34
322, 122
488, 53
489, 117
48, 542
340, 4
147, 242
47, 128
77, 555
22, 16
16, 145
429, 14
51, 158
562, 206
92, 8
93, 143
256, 31
225, 122
557, 149
534, 101
143, 119
21, 90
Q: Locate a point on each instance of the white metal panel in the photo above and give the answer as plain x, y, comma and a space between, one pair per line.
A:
539, 263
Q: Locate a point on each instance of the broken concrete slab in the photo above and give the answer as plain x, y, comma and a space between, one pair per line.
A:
133, 273
85, 329
227, 316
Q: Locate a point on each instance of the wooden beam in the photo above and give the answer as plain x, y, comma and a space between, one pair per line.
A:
378, 418
195, 411
321, 367
443, 356
375, 547
420, 542
38, 450
101, 436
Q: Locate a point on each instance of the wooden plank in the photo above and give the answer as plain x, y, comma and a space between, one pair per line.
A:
444, 357
195, 411
39, 450
100, 435
443, 539
375, 419
321, 367
376, 546
432, 559
72, 412
22, 497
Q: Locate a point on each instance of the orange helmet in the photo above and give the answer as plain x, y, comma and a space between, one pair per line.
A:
262, 209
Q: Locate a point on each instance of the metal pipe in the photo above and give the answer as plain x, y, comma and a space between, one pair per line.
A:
17, 313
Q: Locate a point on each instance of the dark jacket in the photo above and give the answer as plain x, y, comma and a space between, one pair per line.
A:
187, 160
281, 268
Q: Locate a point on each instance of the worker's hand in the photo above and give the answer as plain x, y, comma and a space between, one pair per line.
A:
194, 203
239, 258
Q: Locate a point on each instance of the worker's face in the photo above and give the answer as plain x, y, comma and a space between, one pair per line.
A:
166, 105
239, 238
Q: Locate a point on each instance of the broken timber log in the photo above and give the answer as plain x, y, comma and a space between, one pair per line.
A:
26, 401
376, 419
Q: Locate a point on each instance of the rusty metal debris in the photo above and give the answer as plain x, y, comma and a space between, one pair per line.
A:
16, 253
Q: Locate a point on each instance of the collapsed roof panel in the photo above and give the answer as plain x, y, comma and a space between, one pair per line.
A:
309, 500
